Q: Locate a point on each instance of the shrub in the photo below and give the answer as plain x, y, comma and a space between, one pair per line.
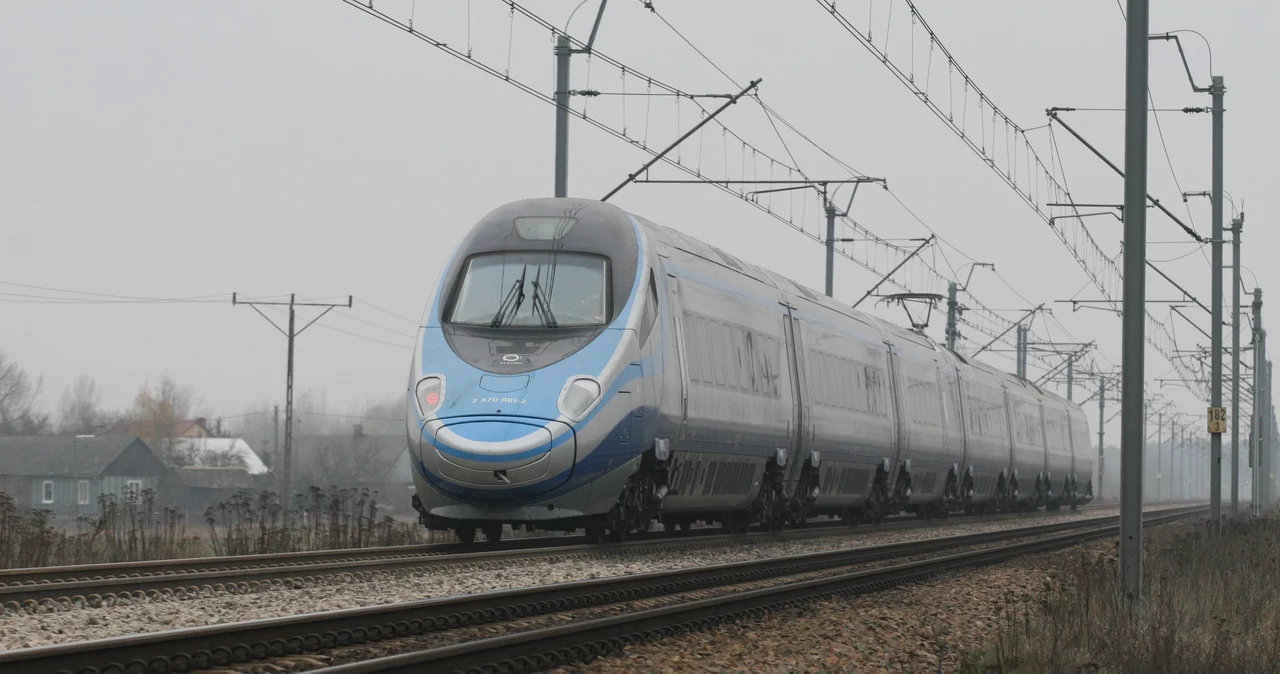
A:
125, 529
1209, 605
319, 520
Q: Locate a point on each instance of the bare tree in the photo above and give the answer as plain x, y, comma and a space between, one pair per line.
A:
257, 425
156, 413
225, 458
18, 394
78, 411
345, 462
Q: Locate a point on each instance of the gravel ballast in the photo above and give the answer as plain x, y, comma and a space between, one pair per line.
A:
23, 630
927, 627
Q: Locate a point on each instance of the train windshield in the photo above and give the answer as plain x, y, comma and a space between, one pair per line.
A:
533, 289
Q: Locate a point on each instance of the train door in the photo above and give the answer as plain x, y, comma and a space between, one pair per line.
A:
1077, 453
676, 312
800, 424
901, 445
1007, 401
1043, 422
953, 416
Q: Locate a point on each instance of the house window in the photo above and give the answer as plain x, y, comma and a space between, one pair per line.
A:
82, 492
46, 492
133, 488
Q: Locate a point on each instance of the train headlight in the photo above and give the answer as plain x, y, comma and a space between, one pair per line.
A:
579, 394
430, 394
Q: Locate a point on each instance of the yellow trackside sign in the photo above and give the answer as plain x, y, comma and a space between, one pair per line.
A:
1217, 420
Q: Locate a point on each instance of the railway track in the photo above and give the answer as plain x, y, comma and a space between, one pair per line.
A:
221, 646
99, 584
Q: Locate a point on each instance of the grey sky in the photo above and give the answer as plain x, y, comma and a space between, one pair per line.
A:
158, 149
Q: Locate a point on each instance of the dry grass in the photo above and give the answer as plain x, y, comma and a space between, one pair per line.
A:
127, 528
1210, 605
320, 520
133, 527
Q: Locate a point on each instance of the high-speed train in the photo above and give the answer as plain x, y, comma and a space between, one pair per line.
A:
584, 368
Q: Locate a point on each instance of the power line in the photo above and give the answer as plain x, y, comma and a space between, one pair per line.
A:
1019, 165
771, 114
291, 334
375, 307
122, 297
375, 325
366, 338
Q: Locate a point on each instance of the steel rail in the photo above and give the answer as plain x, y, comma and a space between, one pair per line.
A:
546, 648
98, 583
221, 645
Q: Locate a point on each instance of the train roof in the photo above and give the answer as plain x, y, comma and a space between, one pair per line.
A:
693, 246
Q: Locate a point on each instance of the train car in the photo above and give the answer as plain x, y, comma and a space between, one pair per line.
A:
584, 368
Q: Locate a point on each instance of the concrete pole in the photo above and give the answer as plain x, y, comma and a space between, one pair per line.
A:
1173, 431
831, 246
1159, 439
1258, 400
286, 493
563, 54
1266, 469
1236, 419
953, 310
1146, 427
1017, 368
1267, 436
1102, 420
1185, 486
1071, 374
1175, 489
1133, 366
1215, 364
275, 441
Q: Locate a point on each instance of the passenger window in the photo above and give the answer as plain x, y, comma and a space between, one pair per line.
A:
832, 367
770, 383
741, 365
706, 348
649, 314
818, 371
724, 354
693, 346
715, 351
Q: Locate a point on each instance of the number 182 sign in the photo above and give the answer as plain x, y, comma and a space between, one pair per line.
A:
1217, 420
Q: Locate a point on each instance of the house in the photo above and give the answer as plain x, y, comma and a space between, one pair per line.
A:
183, 428
202, 452
66, 473
200, 488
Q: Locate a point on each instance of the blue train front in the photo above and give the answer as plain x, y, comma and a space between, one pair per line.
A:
531, 393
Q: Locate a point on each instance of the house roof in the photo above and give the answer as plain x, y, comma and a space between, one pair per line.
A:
216, 478
204, 451
83, 456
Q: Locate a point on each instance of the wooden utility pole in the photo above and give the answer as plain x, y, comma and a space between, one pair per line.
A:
286, 467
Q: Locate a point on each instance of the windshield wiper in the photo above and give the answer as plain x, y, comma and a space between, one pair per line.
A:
511, 303
541, 305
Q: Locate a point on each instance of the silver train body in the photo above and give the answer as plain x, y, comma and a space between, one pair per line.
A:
699, 387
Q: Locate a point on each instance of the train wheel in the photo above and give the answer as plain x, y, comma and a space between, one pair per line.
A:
595, 535
466, 535
618, 534
493, 532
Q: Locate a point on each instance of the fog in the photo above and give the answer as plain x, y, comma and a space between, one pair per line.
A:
187, 151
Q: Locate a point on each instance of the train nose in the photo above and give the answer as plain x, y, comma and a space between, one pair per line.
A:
495, 454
